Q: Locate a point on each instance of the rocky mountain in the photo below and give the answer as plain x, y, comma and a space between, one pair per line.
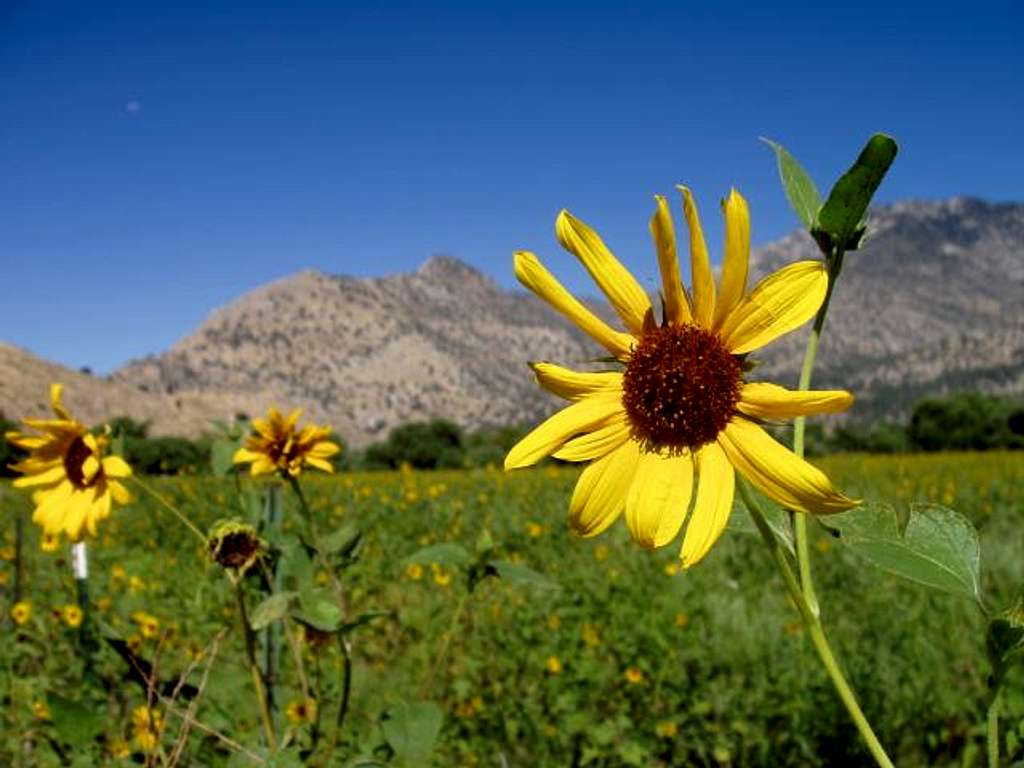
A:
368, 354
933, 303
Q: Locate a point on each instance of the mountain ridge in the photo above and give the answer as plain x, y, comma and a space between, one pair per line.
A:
930, 304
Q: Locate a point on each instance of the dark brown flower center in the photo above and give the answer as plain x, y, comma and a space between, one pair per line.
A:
681, 387
74, 458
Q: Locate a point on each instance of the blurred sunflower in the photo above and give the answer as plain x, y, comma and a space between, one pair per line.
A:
275, 446
74, 481
679, 408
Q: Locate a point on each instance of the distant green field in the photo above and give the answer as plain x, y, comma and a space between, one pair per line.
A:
622, 661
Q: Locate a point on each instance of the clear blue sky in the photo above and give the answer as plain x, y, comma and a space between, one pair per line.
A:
156, 163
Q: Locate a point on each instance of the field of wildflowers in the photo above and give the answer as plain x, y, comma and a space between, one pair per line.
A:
583, 652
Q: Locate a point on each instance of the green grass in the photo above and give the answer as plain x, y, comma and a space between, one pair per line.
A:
655, 667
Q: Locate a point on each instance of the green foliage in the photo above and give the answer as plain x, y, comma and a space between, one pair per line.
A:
966, 421
166, 455
800, 189
440, 444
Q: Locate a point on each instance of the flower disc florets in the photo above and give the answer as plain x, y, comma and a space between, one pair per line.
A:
234, 545
680, 387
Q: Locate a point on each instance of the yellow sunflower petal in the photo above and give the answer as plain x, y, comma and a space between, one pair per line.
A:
677, 307
532, 274
550, 435
600, 493
659, 497
324, 449
119, 492
263, 465
574, 385
713, 505
76, 515
292, 420
47, 477
98, 510
778, 472
737, 256
51, 506
115, 466
600, 442
703, 290
626, 295
264, 427
319, 463
56, 393
90, 466
244, 456
763, 400
781, 302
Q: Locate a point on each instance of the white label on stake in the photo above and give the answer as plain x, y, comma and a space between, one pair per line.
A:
79, 560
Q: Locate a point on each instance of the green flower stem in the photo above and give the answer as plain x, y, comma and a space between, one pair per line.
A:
798, 521
814, 629
170, 507
271, 639
992, 720
254, 668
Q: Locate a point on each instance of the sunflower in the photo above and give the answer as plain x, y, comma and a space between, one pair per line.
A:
73, 479
276, 447
678, 419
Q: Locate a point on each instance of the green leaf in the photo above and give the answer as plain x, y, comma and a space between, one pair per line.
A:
222, 453
521, 576
343, 540
272, 609
77, 723
938, 549
411, 729
800, 190
841, 218
777, 518
452, 555
318, 610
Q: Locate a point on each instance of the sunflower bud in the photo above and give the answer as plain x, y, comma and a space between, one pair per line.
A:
234, 545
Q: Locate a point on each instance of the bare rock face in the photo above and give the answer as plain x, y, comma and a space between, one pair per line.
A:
369, 354
933, 303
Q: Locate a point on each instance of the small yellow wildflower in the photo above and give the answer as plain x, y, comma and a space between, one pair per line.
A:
147, 725
149, 625
671, 569
441, 577
554, 622
4, 578
634, 675
119, 749
682, 620
74, 483
134, 641
414, 571
301, 711
666, 730
535, 530
275, 446
103, 604
601, 552
553, 665
135, 584
7, 552
72, 615
41, 710
21, 612
49, 542
590, 637
117, 572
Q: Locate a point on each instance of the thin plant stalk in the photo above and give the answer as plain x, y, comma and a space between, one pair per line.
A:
182, 517
19, 555
992, 720
797, 521
815, 630
271, 644
254, 668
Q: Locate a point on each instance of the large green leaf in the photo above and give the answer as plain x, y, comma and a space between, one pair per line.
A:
777, 518
520, 575
76, 722
411, 729
938, 549
270, 610
801, 192
344, 540
451, 555
841, 218
318, 610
